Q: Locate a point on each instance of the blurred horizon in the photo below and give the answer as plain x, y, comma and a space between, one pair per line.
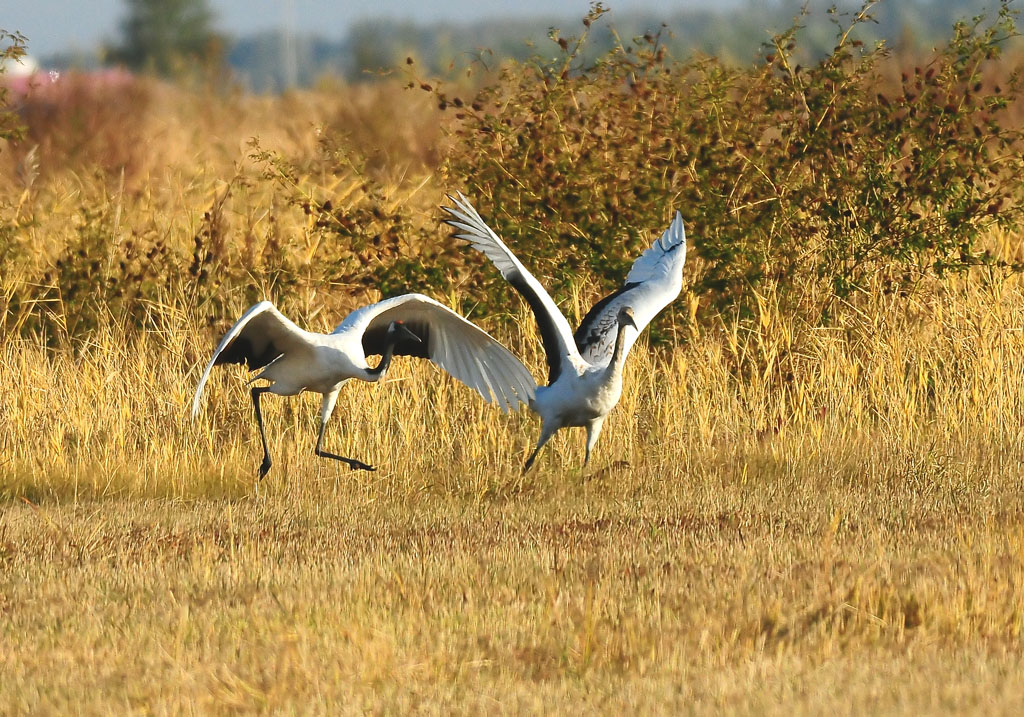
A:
270, 46
54, 27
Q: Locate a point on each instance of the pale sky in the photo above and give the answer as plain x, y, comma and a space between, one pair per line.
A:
56, 26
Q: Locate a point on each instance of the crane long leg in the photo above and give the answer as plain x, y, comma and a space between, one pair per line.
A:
256, 393
325, 413
593, 431
545, 436
352, 462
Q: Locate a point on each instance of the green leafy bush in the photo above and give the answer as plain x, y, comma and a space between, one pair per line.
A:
822, 177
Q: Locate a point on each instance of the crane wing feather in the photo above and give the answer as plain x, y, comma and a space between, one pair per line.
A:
654, 281
555, 332
459, 347
259, 337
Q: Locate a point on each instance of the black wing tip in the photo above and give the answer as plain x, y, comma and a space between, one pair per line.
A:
242, 351
231, 354
375, 341
587, 334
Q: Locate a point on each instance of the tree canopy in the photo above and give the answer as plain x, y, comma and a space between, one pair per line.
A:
168, 37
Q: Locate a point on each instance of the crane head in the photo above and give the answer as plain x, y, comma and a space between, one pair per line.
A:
626, 317
398, 330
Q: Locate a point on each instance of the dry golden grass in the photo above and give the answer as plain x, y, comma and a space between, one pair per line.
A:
842, 533
809, 520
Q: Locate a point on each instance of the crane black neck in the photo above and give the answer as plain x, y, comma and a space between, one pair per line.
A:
620, 345
378, 372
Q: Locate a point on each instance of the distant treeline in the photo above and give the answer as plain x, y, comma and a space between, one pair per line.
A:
272, 61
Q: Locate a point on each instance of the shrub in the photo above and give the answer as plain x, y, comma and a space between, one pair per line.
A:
819, 177
12, 48
816, 180
89, 121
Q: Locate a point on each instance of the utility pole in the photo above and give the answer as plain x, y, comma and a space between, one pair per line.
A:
289, 58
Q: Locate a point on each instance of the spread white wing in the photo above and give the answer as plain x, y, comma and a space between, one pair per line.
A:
458, 346
653, 282
258, 338
555, 332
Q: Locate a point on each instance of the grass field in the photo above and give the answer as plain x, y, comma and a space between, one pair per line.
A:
850, 541
779, 517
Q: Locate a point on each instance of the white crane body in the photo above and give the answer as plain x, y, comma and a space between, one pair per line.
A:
294, 360
585, 368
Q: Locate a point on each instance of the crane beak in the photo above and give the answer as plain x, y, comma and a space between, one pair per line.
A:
627, 319
403, 331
